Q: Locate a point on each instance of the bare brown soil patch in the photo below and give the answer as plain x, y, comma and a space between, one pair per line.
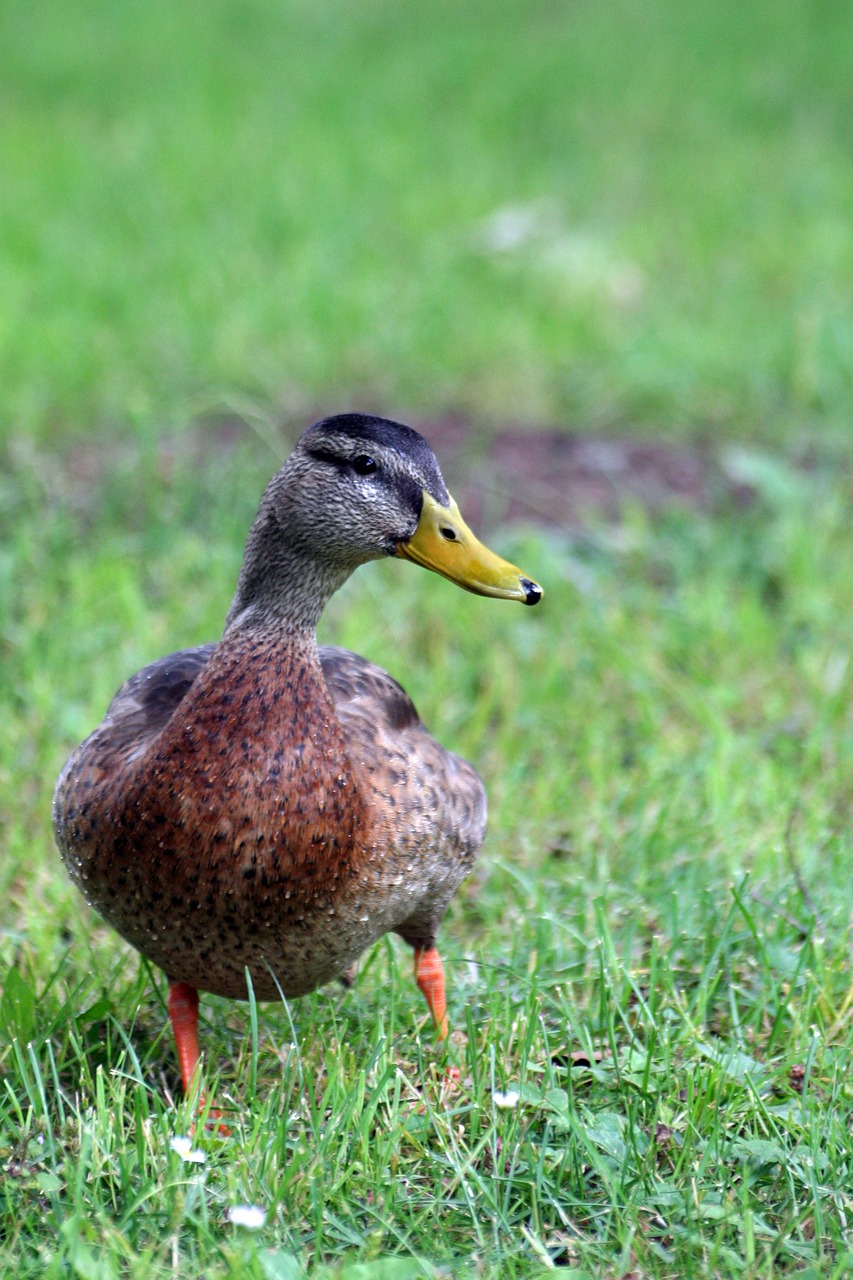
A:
561, 479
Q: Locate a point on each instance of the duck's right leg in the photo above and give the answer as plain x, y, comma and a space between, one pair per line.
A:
183, 1015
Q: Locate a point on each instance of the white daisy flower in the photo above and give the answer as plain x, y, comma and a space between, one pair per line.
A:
247, 1215
184, 1148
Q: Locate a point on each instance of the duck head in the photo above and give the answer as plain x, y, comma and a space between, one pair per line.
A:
358, 488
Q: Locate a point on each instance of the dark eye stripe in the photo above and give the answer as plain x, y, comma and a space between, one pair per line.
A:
362, 464
324, 455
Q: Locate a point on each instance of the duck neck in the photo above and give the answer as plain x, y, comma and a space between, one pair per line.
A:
282, 586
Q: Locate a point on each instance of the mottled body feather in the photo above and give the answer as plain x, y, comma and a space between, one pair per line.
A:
270, 805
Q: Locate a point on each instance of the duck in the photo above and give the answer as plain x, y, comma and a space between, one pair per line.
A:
260, 810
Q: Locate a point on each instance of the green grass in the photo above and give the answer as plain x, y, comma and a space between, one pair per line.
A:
668, 749
618, 217
294, 202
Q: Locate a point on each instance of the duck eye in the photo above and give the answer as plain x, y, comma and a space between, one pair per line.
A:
364, 465
448, 533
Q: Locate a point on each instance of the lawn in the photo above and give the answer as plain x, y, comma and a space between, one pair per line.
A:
216, 224
535, 211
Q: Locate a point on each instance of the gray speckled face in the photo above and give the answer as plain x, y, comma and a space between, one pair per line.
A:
354, 485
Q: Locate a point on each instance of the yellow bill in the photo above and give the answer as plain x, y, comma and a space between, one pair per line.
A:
444, 543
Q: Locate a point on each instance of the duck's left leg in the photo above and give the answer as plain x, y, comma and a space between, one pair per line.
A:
429, 975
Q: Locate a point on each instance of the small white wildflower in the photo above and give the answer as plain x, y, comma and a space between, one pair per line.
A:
506, 1100
184, 1148
247, 1215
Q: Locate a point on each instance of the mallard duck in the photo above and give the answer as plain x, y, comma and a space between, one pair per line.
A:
267, 805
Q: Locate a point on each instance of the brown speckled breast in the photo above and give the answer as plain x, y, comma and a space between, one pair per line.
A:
248, 805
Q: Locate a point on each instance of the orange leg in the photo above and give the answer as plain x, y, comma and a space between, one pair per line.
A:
183, 1015
429, 975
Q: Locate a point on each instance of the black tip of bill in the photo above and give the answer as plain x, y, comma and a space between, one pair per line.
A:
532, 591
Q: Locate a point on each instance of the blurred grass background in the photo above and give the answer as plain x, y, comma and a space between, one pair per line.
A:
218, 222
537, 212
